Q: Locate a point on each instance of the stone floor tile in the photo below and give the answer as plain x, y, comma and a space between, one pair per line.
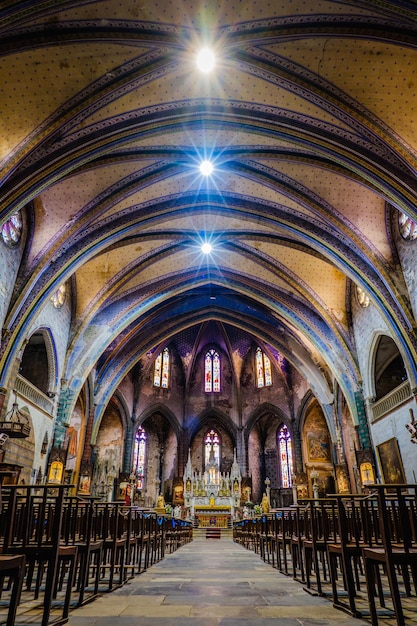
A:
211, 584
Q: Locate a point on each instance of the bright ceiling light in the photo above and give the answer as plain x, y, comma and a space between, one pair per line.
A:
206, 248
206, 168
205, 60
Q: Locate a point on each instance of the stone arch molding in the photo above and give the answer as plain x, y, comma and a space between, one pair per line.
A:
369, 377
52, 357
165, 412
260, 411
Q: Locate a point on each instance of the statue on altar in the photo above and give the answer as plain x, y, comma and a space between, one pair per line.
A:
160, 504
265, 504
212, 489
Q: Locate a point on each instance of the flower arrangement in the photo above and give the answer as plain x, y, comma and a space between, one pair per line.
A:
168, 509
257, 509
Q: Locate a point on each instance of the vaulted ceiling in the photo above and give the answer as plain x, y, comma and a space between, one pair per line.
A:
309, 117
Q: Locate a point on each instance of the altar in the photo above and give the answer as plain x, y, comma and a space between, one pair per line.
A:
212, 497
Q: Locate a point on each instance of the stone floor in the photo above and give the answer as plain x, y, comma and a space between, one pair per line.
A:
211, 582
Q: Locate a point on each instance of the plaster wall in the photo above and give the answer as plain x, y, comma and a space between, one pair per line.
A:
9, 263
407, 252
367, 325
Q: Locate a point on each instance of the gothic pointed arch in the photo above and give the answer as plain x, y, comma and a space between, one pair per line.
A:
317, 447
262, 449
39, 361
162, 452
210, 417
212, 335
261, 410
163, 410
388, 367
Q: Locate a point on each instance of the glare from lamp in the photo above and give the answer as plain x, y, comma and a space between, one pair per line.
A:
205, 60
206, 168
206, 248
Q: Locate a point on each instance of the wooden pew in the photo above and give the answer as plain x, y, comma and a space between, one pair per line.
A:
396, 558
33, 528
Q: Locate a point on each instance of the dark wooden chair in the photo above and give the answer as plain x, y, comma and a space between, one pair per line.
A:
267, 538
108, 528
34, 518
78, 529
297, 536
356, 530
396, 559
284, 534
13, 568
320, 528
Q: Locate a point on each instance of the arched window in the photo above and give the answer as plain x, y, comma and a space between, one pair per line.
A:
389, 370
212, 448
139, 457
363, 298
285, 456
263, 369
407, 226
59, 296
161, 369
212, 371
11, 230
34, 365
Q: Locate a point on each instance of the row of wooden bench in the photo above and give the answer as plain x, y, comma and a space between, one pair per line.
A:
56, 546
343, 542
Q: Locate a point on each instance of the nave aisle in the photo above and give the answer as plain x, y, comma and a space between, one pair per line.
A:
210, 583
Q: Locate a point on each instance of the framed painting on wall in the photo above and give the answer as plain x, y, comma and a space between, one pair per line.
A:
390, 462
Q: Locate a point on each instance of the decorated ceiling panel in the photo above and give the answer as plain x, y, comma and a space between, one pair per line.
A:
309, 121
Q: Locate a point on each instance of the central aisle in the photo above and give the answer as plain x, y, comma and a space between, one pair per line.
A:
211, 582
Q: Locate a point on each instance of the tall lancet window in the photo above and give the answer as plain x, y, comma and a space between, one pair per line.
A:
285, 456
263, 369
212, 448
139, 457
212, 371
161, 369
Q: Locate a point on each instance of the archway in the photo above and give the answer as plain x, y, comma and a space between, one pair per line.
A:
317, 450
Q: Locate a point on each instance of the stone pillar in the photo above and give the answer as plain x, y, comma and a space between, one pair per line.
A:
63, 413
241, 452
128, 449
88, 448
363, 427
3, 392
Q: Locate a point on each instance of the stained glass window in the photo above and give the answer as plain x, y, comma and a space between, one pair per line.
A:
58, 298
161, 369
212, 442
407, 226
285, 456
363, 298
263, 369
139, 457
212, 371
11, 230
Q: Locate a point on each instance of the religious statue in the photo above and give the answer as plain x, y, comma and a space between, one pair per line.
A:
265, 504
161, 502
